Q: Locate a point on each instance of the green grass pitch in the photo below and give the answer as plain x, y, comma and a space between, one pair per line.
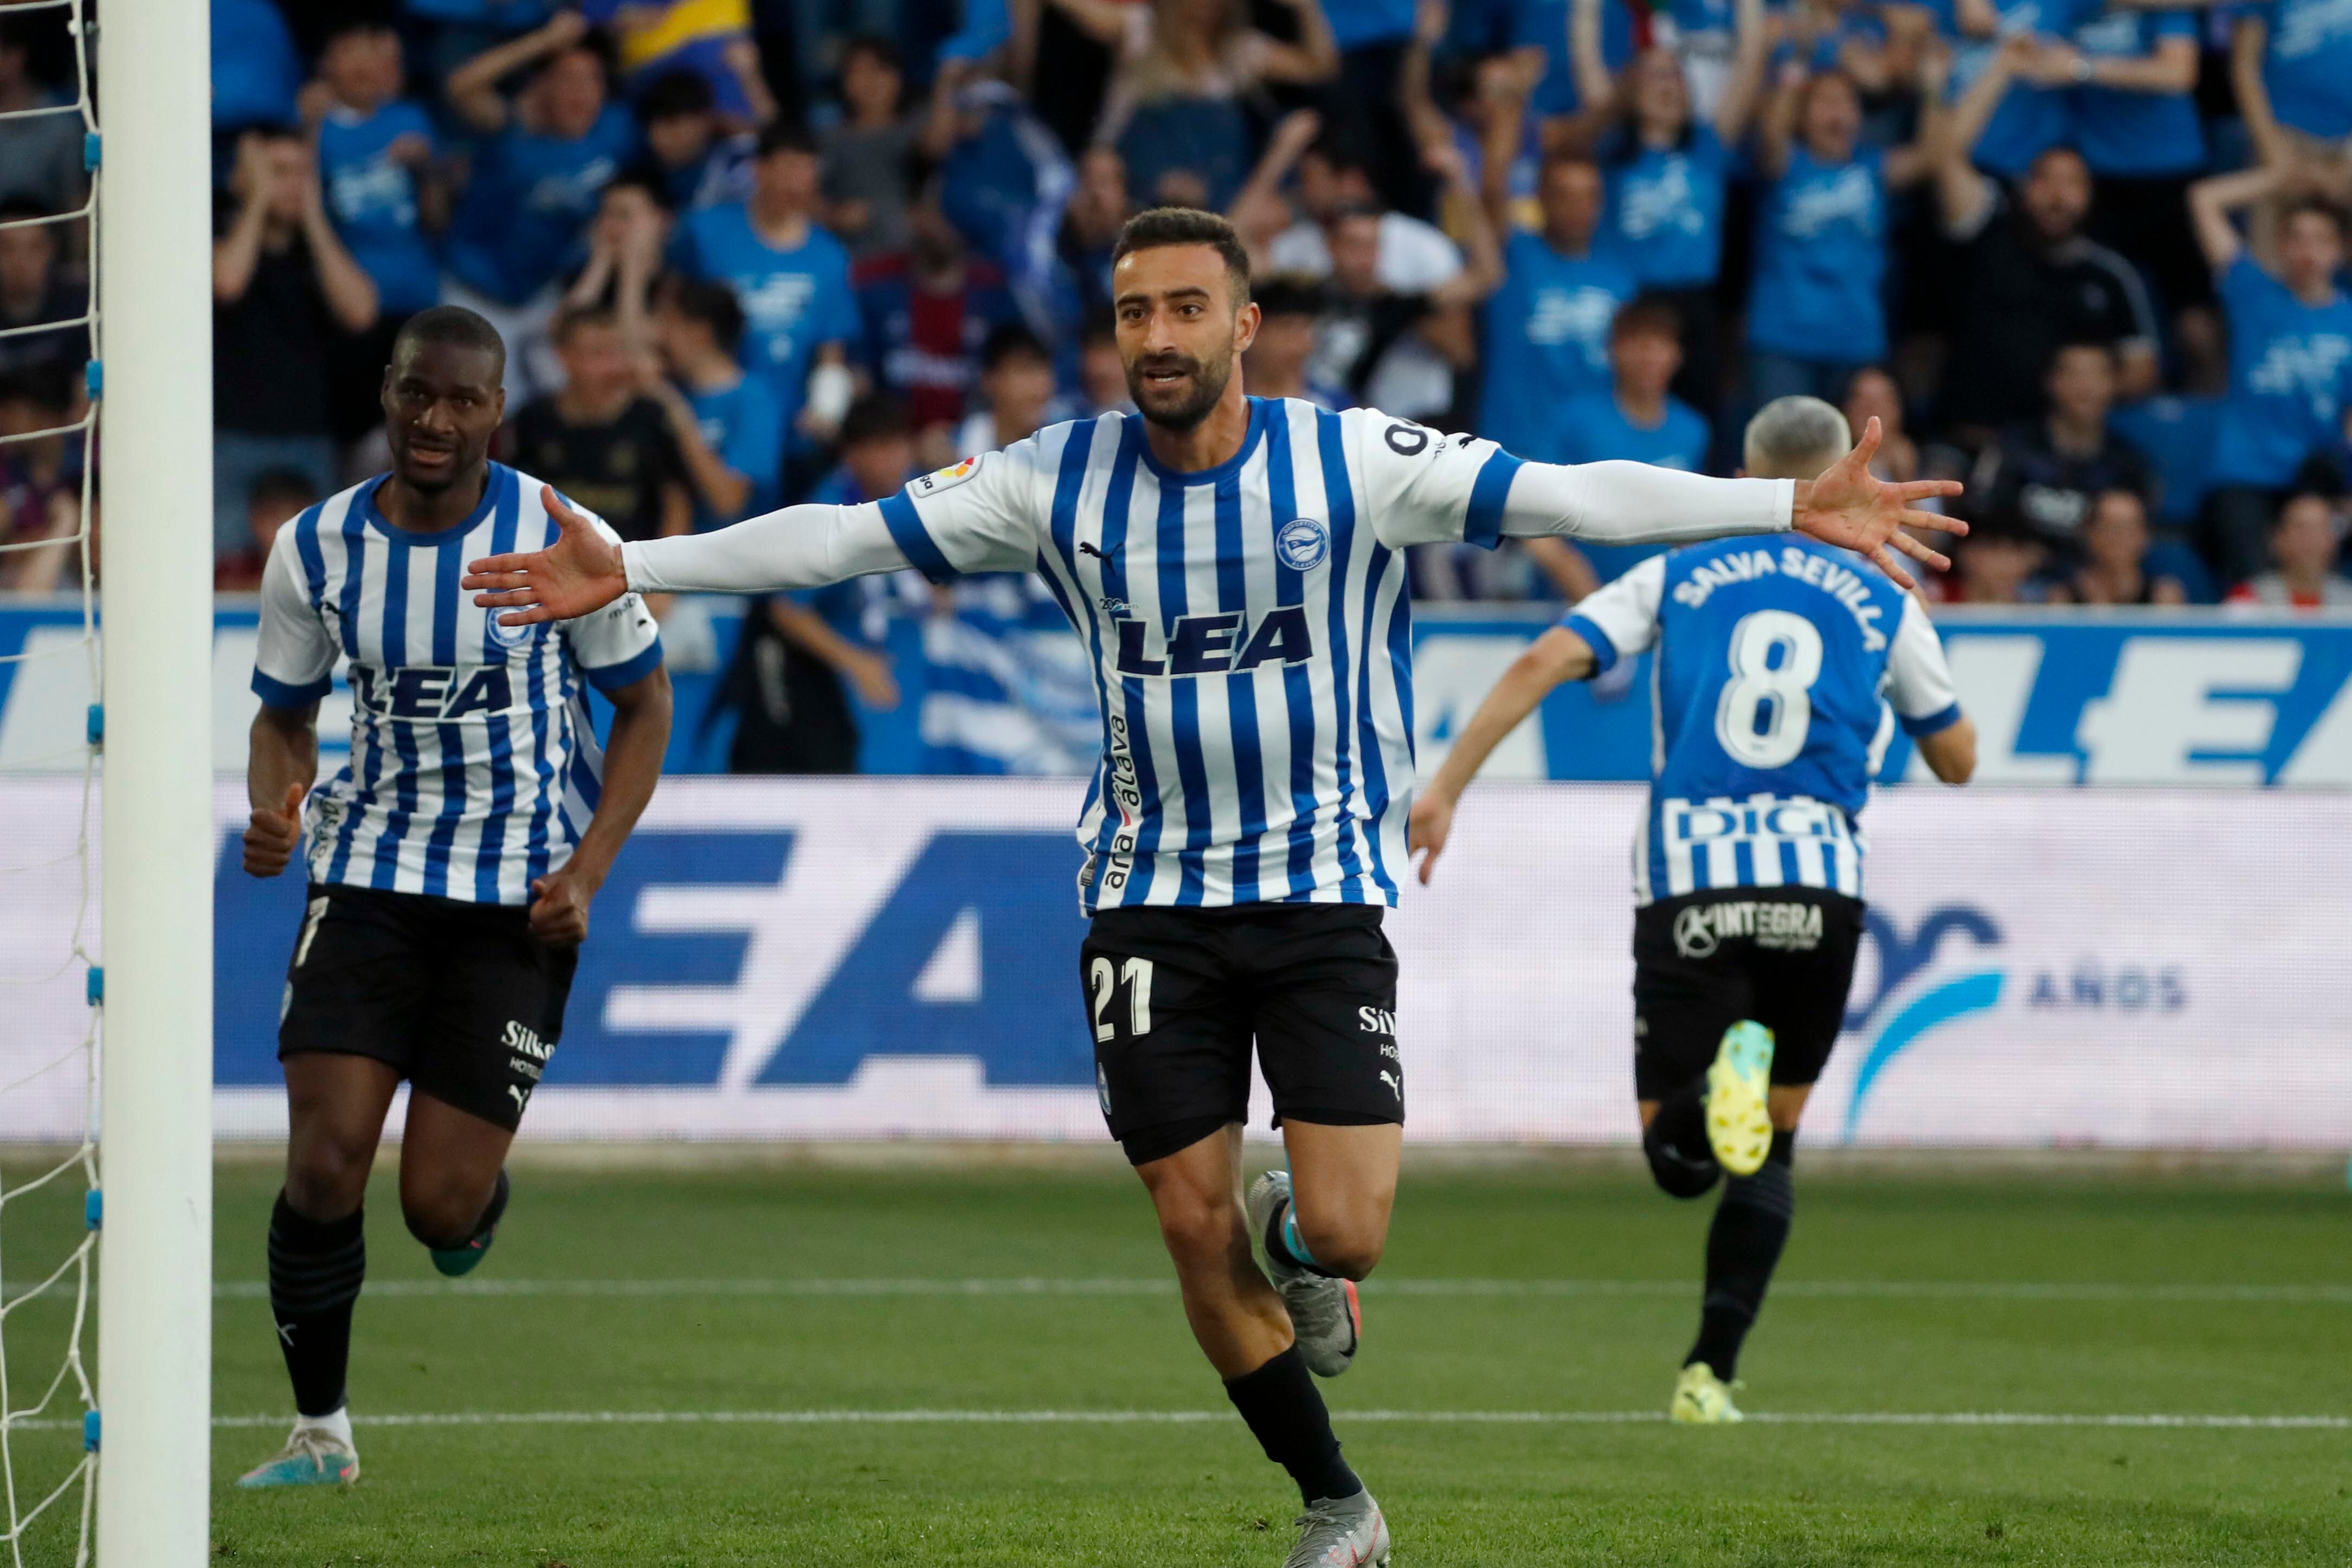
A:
1908, 1295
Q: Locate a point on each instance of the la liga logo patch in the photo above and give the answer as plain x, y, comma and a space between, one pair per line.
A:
947, 478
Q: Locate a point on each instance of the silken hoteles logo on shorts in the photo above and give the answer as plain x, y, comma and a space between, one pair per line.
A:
1913, 995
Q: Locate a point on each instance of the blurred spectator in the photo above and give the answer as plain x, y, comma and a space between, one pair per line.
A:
712, 39
1541, 31
699, 160
1996, 563
785, 684
2137, 125
282, 284
34, 289
1667, 174
791, 277
278, 497
2113, 568
1395, 350
1102, 373
375, 158
535, 183
2290, 344
1372, 37
1016, 390
2303, 543
1874, 394
2027, 281
868, 163
736, 456
2006, 39
599, 440
1817, 311
1276, 362
40, 153
1637, 419
1099, 208
40, 477
1546, 337
2291, 65
2177, 435
1174, 108
1411, 257
2048, 474
627, 242
927, 310
256, 75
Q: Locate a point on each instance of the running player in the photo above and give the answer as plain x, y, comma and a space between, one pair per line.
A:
1232, 565
451, 862
1781, 671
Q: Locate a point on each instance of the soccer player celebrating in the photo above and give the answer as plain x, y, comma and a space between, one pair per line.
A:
1233, 566
451, 862
1782, 670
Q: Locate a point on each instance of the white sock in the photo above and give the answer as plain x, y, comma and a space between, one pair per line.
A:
335, 1424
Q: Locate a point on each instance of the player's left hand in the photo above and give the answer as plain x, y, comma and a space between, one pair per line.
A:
1852, 506
1426, 830
559, 909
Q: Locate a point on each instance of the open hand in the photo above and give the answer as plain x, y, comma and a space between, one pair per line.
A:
1850, 506
579, 573
274, 833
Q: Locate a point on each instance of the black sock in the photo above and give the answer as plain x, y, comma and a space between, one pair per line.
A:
315, 1271
1286, 1411
1743, 1247
1279, 1247
1681, 1160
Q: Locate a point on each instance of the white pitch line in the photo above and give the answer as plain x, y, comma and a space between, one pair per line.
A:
1198, 1418
1825, 1290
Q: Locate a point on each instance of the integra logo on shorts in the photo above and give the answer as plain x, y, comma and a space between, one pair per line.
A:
1783, 925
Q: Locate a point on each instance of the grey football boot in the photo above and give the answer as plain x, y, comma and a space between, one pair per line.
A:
1341, 1533
1323, 1311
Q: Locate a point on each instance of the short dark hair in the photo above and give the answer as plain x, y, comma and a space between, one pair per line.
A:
876, 416
1289, 294
290, 486
1155, 228
876, 47
573, 318
781, 135
712, 303
457, 327
1565, 156
638, 177
1009, 340
2083, 345
2317, 206
673, 95
1646, 314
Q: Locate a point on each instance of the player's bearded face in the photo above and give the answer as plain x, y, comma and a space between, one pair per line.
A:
1176, 389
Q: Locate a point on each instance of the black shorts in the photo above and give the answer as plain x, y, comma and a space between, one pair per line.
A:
1175, 996
1782, 957
460, 997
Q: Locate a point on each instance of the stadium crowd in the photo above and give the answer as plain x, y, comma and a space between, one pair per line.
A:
2087, 256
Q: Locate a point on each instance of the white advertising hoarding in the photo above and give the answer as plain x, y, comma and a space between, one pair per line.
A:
882, 958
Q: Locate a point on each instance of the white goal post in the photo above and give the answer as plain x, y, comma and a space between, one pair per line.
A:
155, 292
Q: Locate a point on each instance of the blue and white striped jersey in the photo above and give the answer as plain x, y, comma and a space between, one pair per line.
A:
1249, 632
474, 767
1781, 671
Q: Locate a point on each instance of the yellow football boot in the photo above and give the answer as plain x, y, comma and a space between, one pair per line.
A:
1739, 1111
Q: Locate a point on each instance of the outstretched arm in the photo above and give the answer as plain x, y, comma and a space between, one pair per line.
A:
1560, 654
799, 547
1634, 503
2211, 203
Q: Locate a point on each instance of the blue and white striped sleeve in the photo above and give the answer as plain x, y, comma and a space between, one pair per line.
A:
619, 645
1918, 681
294, 657
979, 514
1423, 487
